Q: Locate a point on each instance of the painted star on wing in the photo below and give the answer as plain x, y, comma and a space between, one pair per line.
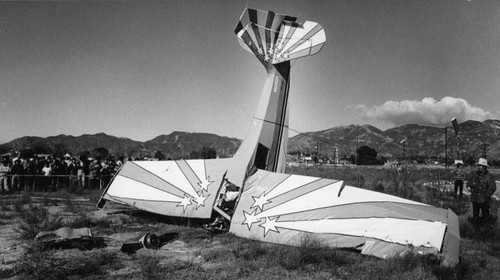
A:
260, 201
185, 202
270, 224
200, 200
250, 218
205, 183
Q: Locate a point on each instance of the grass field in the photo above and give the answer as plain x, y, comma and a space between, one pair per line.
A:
198, 254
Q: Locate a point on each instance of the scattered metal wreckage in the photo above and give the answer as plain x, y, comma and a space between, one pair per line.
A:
82, 238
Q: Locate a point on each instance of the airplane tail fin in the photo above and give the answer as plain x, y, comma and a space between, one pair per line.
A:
275, 38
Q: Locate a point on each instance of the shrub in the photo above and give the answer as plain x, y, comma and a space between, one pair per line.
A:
248, 249
4, 206
311, 251
42, 264
36, 219
81, 220
459, 205
150, 267
25, 198
408, 266
217, 254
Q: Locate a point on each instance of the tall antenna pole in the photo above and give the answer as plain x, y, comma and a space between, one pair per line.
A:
317, 149
456, 128
446, 147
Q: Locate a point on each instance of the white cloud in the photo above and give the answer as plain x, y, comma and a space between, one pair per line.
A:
428, 111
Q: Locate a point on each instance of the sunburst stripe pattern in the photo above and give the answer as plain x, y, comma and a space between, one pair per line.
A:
275, 38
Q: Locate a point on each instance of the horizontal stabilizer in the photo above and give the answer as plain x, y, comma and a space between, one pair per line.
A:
275, 38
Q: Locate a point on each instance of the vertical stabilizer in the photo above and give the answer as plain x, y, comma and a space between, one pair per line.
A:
275, 40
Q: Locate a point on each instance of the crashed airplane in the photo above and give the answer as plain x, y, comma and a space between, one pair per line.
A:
273, 206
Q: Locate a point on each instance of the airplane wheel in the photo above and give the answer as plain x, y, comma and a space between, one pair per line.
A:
151, 241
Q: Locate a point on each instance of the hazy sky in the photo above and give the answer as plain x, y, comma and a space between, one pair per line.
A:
145, 68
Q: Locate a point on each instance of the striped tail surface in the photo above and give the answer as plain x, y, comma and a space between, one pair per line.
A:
275, 38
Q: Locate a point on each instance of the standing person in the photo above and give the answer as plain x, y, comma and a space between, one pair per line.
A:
459, 179
72, 171
17, 171
83, 171
31, 171
67, 159
119, 162
105, 173
59, 173
482, 186
94, 173
4, 176
45, 180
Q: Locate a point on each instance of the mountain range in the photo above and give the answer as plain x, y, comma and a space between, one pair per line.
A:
409, 141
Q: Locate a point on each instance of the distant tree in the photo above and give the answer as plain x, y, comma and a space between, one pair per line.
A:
84, 155
41, 149
367, 156
350, 158
159, 155
100, 153
381, 159
60, 149
203, 153
315, 159
28, 153
469, 161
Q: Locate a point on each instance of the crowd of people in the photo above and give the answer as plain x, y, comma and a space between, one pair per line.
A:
48, 173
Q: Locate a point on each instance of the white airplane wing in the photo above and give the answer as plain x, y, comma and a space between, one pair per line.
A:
282, 208
180, 188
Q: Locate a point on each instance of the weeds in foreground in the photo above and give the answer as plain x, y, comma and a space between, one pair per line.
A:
248, 249
25, 198
36, 219
487, 235
41, 264
487, 232
81, 220
6, 215
410, 265
150, 267
311, 251
4, 206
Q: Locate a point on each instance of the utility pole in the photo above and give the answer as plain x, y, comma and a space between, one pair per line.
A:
356, 158
482, 146
404, 157
317, 149
446, 147
456, 128
403, 143
356, 152
337, 160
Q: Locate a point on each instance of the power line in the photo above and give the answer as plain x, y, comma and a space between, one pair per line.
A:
298, 132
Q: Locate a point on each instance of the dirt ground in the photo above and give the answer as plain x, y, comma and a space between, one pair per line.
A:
122, 226
117, 225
